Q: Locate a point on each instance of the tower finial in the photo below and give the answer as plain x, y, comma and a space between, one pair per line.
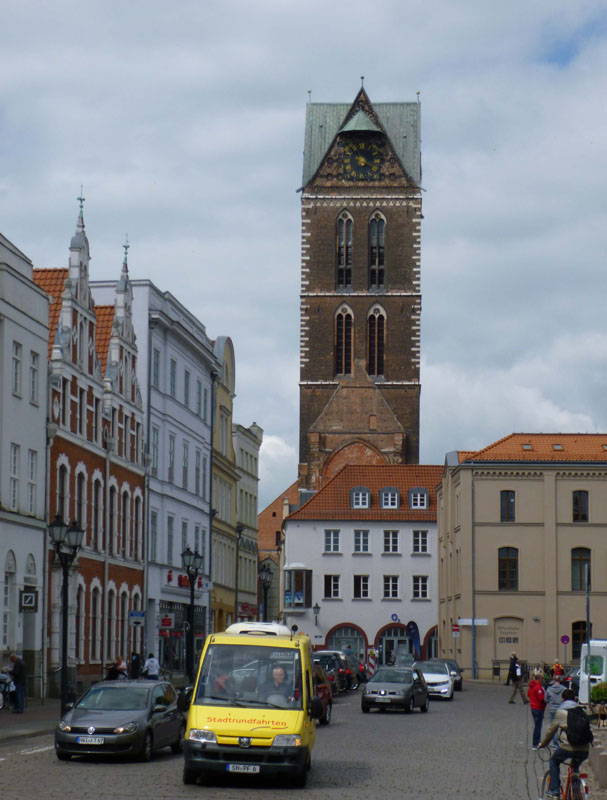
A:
362, 81
126, 246
81, 200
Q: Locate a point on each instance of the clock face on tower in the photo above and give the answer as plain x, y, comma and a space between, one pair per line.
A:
362, 161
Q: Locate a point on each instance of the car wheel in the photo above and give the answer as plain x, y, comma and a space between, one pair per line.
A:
301, 776
1, 700
354, 685
177, 746
62, 756
145, 754
426, 706
365, 709
189, 775
451, 695
326, 718
410, 705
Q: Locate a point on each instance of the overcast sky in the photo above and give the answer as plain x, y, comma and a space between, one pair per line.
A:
184, 121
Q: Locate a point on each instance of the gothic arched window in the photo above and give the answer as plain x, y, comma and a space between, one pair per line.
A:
344, 251
377, 225
376, 341
343, 342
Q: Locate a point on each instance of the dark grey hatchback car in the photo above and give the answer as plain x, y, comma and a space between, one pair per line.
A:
396, 687
122, 718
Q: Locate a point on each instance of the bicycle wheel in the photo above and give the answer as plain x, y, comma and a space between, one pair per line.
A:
546, 787
575, 788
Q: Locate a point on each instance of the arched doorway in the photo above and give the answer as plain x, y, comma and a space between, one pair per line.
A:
348, 637
388, 640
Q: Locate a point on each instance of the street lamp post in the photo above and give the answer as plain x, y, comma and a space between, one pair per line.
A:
265, 578
66, 541
316, 612
192, 563
239, 530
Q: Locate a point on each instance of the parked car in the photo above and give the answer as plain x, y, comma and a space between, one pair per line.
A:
123, 718
454, 669
403, 659
339, 660
322, 690
438, 677
396, 687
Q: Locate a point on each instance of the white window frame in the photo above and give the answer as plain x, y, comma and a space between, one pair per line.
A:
34, 377
334, 587
332, 541
418, 499
391, 587
391, 541
420, 541
421, 588
363, 587
361, 541
17, 368
360, 499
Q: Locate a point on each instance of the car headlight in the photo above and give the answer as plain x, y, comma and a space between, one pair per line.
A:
63, 726
198, 735
130, 727
286, 740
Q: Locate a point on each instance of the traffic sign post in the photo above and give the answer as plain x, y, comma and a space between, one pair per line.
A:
455, 630
565, 642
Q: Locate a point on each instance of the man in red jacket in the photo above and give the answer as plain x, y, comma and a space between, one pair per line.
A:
538, 705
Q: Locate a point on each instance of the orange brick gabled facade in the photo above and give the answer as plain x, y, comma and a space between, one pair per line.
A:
360, 288
96, 470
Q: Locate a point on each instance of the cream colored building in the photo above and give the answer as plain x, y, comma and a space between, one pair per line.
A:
517, 523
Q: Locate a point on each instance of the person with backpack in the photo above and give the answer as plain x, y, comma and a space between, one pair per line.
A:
516, 676
574, 738
554, 698
538, 705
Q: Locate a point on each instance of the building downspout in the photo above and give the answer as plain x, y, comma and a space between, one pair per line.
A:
473, 537
146, 559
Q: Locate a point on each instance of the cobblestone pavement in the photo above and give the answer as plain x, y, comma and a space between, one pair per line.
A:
474, 747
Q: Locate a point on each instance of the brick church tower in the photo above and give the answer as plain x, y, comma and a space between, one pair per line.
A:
360, 287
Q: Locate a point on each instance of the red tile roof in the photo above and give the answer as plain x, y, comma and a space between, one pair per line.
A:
333, 500
52, 281
105, 320
270, 519
585, 447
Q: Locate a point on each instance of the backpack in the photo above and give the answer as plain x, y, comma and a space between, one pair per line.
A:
578, 727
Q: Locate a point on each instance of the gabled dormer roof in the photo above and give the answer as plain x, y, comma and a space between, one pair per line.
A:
399, 121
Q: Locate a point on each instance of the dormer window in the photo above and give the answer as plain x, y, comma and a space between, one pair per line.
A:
389, 498
418, 498
360, 497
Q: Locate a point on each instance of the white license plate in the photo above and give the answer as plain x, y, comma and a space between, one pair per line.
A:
90, 740
382, 699
243, 768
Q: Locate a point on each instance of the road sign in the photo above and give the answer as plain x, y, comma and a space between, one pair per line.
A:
136, 618
455, 630
477, 621
167, 620
565, 639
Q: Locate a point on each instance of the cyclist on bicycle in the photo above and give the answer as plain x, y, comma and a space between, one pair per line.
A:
565, 749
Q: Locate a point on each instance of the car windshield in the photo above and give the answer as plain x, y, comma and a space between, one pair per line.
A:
114, 698
392, 676
250, 676
434, 669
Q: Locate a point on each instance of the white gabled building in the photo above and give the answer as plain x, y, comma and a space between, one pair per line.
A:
23, 382
176, 369
360, 567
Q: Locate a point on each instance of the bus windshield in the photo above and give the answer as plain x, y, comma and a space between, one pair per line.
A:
251, 676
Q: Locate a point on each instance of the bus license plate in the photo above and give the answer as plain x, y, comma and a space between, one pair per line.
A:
249, 768
90, 740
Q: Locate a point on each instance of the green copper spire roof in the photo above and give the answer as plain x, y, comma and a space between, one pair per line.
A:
360, 122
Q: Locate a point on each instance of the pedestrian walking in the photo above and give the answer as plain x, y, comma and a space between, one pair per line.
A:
516, 676
19, 676
511, 669
151, 668
537, 701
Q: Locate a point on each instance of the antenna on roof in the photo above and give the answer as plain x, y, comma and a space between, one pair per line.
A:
309, 95
418, 94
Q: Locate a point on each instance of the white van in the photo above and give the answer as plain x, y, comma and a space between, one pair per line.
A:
594, 669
